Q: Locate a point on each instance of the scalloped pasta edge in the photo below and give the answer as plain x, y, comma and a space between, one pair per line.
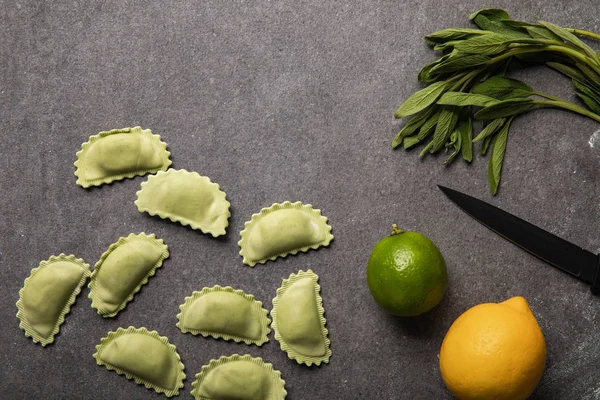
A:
85, 183
124, 240
176, 218
24, 324
121, 332
214, 363
265, 322
315, 212
292, 354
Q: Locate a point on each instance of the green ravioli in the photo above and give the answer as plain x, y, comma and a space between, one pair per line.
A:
47, 296
238, 378
143, 356
122, 271
282, 229
223, 312
118, 154
298, 319
187, 198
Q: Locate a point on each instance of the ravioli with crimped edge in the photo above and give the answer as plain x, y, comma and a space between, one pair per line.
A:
122, 271
240, 378
299, 321
47, 296
118, 154
144, 356
227, 313
187, 198
283, 229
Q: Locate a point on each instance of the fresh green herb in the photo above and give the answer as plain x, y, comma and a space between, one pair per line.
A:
505, 108
421, 100
469, 82
502, 88
490, 129
497, 158
465, 129
466, 99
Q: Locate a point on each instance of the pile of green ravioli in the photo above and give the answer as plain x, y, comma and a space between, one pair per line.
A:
187, 198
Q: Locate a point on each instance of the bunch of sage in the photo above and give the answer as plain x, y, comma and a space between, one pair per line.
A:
469, 83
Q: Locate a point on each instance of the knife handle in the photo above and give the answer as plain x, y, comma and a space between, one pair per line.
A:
596, 282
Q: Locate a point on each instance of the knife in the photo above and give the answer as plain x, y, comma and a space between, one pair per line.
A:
555, 251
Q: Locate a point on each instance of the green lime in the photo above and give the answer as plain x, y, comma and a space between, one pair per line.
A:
407, 273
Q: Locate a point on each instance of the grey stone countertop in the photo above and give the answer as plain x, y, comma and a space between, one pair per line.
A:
275, 101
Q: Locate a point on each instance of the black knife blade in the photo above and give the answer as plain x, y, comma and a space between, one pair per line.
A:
558, 252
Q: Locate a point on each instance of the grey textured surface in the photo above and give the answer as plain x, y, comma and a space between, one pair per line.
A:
277, 101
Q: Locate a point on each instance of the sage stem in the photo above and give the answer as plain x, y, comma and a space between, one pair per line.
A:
568, 106
582, 32
554, 48
548, 96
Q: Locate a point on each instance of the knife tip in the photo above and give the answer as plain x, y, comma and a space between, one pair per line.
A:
450, 193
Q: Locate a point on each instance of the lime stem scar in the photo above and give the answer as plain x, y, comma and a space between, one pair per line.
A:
396, 230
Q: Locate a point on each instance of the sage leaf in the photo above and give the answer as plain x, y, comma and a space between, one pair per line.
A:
429, 125
452, 34
540, 32
492, 19
410, 142
589, 102
503, 88
465, 130
497, 157
453, 138
446, 45
587, 91
589, 96
594, 89
575, 75
536, 31
486, 145
459, 62
568, 37
589, 72
445, 126
411, 127
422, 99
456, 141
425, 73
492, 14
514, 23
567, 70
505, 108
488, 44
490, 129
466, 99
426, 149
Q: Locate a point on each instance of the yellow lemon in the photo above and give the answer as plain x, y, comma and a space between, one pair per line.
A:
494, 351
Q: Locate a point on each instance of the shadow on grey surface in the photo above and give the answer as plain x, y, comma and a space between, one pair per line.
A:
424, 327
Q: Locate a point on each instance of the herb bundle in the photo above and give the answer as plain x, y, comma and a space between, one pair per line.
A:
469, 83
